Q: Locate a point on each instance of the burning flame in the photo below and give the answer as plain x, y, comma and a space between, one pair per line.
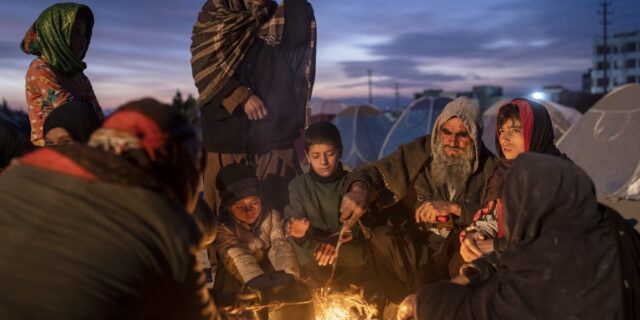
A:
342, 305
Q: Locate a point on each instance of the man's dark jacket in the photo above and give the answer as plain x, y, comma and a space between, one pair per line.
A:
273, 73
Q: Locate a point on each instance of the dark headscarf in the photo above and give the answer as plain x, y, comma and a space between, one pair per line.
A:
560, 261
12, 143
79, 119
50, 36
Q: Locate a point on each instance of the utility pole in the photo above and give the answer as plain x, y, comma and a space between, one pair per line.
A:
370, 87
605, 35
397, 96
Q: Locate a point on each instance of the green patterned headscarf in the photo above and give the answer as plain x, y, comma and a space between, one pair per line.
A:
50, 36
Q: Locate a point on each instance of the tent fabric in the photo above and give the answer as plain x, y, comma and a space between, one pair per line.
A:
363, 129
606, 143
562, 117
415, 121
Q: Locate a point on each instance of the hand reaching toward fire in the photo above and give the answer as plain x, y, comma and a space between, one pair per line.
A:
354, 204
297, 227
407, 308
326, 252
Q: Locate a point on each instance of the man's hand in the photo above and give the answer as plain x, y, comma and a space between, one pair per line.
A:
254, 108
461, 279
354, 204
474, 245
297, 227
431, 210
407, 308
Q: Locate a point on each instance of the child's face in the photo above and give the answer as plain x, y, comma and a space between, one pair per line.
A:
323, 158
56, 136
511, 138
247, 209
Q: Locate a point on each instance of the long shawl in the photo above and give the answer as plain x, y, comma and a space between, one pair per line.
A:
223, 34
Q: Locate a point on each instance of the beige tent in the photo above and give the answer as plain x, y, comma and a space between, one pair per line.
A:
415, 121
363, 129
606, 144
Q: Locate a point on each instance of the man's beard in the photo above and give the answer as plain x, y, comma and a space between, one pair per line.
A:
452, 171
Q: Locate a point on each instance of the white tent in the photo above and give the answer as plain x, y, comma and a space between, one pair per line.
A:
362, 129
606, 143
562, 117
415, 121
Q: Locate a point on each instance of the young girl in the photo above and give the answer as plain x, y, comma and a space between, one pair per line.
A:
523, 125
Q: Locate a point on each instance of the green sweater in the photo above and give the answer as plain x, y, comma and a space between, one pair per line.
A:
317, 201
320, 203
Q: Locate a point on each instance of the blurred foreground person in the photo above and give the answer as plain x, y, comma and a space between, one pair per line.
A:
69, 123
102, 231
60, 39
562, 256
255, 254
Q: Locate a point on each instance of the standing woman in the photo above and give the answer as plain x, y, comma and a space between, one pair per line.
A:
59, 38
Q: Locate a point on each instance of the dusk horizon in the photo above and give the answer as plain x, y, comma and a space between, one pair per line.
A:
142, 49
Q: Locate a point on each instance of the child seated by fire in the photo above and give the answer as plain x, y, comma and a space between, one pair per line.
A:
312, 215
254, 253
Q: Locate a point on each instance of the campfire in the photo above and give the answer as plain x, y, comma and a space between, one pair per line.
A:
338, 305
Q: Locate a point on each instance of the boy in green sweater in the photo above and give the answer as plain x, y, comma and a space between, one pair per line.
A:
312, 215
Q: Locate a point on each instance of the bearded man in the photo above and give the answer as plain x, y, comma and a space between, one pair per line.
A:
430, 188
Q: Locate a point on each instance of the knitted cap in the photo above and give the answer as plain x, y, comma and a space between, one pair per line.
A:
235, 182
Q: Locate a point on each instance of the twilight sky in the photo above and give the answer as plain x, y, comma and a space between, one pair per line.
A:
141, 47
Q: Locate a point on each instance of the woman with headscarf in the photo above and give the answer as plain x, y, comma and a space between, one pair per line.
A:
102, 231
564, 256
522, 125
71, 122
59, 38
